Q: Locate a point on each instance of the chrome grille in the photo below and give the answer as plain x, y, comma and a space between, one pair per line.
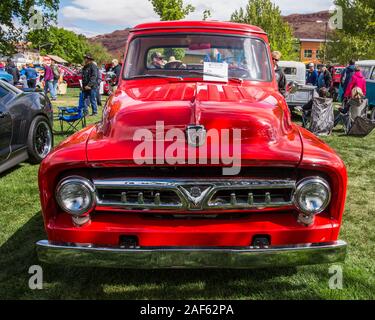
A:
204, 194
137, 194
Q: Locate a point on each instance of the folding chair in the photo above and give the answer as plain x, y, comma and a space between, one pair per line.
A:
320, 119
72, 116
357, 108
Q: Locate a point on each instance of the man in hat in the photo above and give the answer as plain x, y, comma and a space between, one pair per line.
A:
312, 75
157, 61
280, 76
90, 83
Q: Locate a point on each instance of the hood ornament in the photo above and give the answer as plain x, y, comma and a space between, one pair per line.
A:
196, 135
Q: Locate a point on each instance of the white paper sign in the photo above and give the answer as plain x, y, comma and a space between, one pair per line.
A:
220, 70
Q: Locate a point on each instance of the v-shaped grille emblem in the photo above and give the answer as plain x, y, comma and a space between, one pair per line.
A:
195, 194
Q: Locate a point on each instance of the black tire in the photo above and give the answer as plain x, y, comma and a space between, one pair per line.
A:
39, 140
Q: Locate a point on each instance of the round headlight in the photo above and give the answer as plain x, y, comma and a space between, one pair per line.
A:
75, 195
312, 195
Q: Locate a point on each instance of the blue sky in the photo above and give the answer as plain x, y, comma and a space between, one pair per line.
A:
92, 17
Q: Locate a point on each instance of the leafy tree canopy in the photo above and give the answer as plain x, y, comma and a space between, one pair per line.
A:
15, 17
265, 14
66, 44
171, 9
356, 40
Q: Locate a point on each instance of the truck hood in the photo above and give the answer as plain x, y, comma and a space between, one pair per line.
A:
267, 135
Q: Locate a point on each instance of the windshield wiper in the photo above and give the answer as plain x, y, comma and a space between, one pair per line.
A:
240, 80
140, 76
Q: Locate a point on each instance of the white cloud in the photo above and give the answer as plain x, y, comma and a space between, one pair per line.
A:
114, 12
132, 12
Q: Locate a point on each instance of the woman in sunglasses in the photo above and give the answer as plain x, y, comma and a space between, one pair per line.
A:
280, 76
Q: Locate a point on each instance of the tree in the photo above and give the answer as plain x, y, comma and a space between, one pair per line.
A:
171, 9
265, 14
61, 42
206, 14
18, 15
66, 44
99, 53
356, 39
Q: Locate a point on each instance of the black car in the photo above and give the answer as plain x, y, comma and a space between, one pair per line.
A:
25, 126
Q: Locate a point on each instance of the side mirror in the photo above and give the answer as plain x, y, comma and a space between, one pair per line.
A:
292, 87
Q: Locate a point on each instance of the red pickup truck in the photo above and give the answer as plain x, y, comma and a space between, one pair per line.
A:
195, 164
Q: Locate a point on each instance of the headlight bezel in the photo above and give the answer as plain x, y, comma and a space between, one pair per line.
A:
308, 181
85, 183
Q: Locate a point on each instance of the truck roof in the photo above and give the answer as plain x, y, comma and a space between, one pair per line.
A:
366, 63
186, 24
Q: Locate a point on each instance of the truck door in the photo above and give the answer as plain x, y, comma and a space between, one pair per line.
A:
5, 126
370, 88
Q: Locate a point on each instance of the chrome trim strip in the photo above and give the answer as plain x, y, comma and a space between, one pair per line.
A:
186, 200
181, 257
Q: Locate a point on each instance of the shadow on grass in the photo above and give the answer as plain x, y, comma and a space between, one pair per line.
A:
60, 282
9, 171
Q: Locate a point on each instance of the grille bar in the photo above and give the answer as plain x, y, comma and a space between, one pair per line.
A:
203, 194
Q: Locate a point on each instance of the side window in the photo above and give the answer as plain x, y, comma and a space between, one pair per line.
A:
308, 53
3, 92
373, 74
366, 71
290, 71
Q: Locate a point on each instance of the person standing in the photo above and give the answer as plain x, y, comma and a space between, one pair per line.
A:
280, 76
49, 80
357, 80
312, 75
31, 76
12, 70
116, 68
56, 76
325, 78
90, 83
98, 94
346, 76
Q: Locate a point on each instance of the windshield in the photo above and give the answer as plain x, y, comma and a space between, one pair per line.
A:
189, 55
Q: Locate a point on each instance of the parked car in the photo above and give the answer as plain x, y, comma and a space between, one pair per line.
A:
335, 71
130, 192
25, 126
368, 70
295, 72
71, 77
5, 76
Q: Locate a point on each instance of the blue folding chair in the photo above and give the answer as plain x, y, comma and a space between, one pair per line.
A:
72, 116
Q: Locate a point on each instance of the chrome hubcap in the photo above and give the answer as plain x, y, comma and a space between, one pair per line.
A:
43, 139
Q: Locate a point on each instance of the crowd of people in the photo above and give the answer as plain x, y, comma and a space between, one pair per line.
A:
48, 76
352, 90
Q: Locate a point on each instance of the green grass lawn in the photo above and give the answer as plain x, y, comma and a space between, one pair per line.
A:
21, 225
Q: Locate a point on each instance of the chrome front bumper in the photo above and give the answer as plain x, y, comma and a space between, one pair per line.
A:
182, 257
